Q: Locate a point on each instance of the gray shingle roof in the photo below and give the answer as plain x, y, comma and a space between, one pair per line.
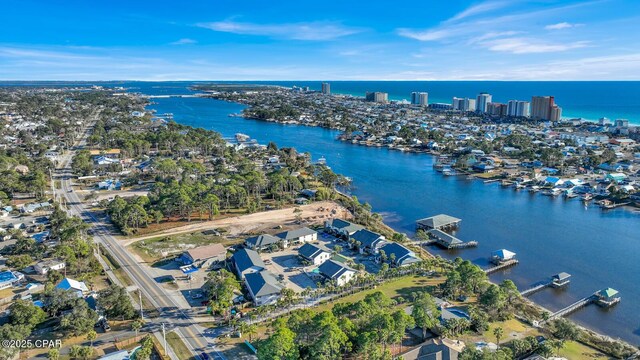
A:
310, 251
262, 283
345, 225
445, 237
247, 258
403, 255
438, 221
262, 240
366, 237
296, 233
333, 269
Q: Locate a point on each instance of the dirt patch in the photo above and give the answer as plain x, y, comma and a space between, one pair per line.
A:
266, 221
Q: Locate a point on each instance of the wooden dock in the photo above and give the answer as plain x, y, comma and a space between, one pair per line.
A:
557, 281
536, 288
573, 307
501, 266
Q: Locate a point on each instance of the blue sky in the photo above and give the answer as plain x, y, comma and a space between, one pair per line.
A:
332, 40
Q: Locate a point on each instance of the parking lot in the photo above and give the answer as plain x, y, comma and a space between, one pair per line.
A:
286, 264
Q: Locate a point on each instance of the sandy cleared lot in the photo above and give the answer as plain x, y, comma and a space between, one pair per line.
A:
314, 213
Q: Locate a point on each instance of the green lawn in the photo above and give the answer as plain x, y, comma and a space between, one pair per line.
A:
178, 346
152, 250
574, 350
401, 287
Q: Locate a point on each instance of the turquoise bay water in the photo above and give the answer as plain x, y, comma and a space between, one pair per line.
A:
587, 99
550, 235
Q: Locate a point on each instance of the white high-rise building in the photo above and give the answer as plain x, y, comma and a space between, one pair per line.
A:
326, 88
481, 102
420, 98
518, 108
464, 104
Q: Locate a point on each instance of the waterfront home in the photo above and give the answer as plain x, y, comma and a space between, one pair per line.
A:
262, 242
435, 349
370, 242
263, 287
314, 254
204, 256
43, 267
440, 222
296, 236
341, 228
336, 272
246, 261
553, 181
78, 287
398, 255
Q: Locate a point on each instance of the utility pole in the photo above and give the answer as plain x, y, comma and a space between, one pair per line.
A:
141, 311
164, 339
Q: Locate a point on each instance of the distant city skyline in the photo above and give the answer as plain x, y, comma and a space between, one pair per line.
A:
330, 40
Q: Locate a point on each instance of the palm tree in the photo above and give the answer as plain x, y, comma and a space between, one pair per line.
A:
92, 335
136, 325
251, 330
498, 332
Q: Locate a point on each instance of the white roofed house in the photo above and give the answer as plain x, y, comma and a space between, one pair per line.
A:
336, 272
43, 267
314, 254
301, 235
263, 287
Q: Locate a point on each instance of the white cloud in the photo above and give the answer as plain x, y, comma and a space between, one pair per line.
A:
317, 31
560, 26
479, 9
183, 41
529, 46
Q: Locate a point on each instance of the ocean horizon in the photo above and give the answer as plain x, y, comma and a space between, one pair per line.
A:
589, 100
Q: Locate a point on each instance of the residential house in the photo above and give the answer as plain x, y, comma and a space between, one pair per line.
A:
341, 228
301, 235
204, 256
370, 242
399, 255
263, 287
314, 254
246, 261
336, 272
79, 287
110, 184
43, 267
435, 349
7, 279
262, 242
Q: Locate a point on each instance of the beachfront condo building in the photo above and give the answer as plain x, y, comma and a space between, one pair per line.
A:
544, 108
518, 108
482, 101
379, 97
420, 98
326, 88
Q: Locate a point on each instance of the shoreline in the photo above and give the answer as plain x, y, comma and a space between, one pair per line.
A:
433, 154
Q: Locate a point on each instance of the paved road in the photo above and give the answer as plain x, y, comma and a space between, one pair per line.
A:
170, 312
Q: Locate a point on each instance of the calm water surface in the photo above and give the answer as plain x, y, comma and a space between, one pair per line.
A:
549, 235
